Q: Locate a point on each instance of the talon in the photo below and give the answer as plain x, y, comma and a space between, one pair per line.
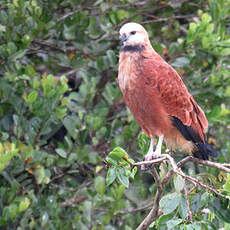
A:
149, 166
146, 167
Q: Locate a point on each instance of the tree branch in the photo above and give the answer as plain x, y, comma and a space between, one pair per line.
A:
201, 184
135, 209
179, 171
154, 212
223, 167
176, 169
76, 199
155, 161
189, 217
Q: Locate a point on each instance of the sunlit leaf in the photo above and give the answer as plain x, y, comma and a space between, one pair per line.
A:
111, 175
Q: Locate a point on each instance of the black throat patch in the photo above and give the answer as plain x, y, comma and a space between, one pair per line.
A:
135, 48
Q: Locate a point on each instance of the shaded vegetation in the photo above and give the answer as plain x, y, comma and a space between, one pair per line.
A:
61, 113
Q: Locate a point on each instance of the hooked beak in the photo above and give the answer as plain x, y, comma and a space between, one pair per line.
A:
123, 38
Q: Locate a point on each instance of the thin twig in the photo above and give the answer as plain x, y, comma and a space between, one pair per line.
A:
156, 19
76, 199
220, 166
179, 171
188, 203
156, 177
135, 209
201, 184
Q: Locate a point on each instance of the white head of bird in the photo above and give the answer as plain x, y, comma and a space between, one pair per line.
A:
133, 34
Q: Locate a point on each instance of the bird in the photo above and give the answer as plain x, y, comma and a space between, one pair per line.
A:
158, 98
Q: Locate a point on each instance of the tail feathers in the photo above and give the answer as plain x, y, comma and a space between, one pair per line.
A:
204, 150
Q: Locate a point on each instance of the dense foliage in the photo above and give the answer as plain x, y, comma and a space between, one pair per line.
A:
61, 113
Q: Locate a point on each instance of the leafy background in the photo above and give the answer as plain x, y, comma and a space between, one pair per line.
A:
61, 112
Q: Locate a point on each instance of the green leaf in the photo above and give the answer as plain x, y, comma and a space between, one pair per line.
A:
2, 28
171, 224
143, 142
225, 52
189, 227
205, 42
206, 18
133, 172
220, 208
192, 27
163, 219
40, 174
32, 97
13, 210
7, 152
111, 175
122, 177
179, 183
196, 202
61, 152
181, 62
61, 112
118, 154
111, 161
18, 55
170, 202
183, 208
11, 48
24, 204
99, 184
227, 184
111, 56
45, 219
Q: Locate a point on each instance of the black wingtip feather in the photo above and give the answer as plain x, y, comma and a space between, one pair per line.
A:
204, 149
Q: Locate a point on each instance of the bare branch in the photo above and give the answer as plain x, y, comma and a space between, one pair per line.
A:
135, 209
156, 177
73, 200
76, 199
226, 165
156, 19
222, 167
155, 212
188, 203
155, 161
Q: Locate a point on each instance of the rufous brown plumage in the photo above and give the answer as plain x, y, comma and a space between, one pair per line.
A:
158, 98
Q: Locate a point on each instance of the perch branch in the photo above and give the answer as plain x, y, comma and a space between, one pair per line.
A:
155, 161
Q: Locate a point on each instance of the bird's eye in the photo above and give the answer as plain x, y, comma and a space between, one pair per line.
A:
133, 32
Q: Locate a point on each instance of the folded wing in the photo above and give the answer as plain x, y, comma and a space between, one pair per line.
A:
174, 95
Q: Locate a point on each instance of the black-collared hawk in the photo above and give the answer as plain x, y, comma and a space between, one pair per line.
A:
158, 98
